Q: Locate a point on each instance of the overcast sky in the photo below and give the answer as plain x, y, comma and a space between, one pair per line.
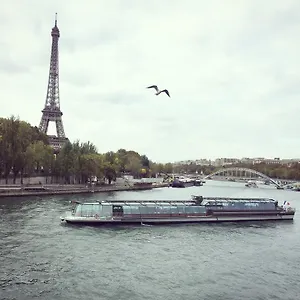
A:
231, 67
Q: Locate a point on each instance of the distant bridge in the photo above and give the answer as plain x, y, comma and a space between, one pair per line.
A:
241, 172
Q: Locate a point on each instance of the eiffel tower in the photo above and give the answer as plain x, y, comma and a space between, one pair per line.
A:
51, 111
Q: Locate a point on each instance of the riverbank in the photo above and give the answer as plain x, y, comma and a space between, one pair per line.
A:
37, 190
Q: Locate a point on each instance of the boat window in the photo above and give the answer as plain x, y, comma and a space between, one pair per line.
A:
189, 209
127, 210
246, 206
202, 209
266, 206
271, 205
181, 209
199, 209
151, 209
96, 209
196, 209
158, 210
143, 210
163, 210
87, 210
147, 210
215, 205
251, 204
106, 210
99, 210
174, 210
135, 210
166, 209
78, 210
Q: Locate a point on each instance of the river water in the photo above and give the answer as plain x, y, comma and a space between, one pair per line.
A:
42, 258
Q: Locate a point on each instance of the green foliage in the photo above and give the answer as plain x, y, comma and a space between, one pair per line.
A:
18, 144
79, 164
25, 151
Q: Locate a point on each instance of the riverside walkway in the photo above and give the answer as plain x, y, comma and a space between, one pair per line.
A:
55, 189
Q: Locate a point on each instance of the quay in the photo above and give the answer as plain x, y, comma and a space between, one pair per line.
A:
55, 189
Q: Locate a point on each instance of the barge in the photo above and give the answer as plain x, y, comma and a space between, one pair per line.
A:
182, 182
196, 210
198, 182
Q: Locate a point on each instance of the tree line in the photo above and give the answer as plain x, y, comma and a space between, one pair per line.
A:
25, 152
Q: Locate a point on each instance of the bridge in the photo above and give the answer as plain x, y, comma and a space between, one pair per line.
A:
244, 173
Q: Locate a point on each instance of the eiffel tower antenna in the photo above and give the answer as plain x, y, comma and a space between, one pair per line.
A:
51, 111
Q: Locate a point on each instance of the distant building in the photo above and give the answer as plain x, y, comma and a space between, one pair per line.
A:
272, 161
226, 161
203, 162
220, 162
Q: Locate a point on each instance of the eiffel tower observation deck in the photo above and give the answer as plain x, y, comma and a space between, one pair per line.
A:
52, 111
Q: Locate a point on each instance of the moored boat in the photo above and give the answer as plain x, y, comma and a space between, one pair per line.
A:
196, 210
198, 182
182, 182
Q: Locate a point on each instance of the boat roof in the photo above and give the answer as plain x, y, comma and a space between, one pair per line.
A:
195, 200
141, 202
229, 199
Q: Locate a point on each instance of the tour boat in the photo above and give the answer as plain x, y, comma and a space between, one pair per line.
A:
198, 209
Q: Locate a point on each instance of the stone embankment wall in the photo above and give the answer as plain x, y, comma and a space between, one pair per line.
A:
28, 180
47, 180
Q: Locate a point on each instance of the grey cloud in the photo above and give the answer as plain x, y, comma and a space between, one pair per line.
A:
284, 18
12, 67
68, 45
72, 43
113, 98
232, 73
78, 78
285, 90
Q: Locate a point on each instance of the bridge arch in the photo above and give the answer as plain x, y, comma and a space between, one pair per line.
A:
225, 170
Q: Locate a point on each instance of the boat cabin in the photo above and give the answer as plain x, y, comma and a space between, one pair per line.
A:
137, 209
198, 209
240, 204
198, 206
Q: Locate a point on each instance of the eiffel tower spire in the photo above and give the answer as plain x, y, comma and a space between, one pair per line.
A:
51, 111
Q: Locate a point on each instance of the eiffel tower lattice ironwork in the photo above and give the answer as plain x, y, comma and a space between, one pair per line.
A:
51, 111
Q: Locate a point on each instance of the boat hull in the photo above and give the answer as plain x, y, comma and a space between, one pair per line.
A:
183, 220
198, 183
182, 184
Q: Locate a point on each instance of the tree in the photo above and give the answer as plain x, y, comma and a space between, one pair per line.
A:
122, 160
91, 166
134, 165
110, 172
16, 137
145, 161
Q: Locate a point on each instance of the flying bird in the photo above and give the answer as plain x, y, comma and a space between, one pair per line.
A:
158, 91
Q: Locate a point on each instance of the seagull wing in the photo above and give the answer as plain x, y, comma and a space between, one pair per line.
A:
167, 92
153, 86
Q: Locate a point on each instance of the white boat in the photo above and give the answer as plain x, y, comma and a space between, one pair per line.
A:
196, 210
251, 184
